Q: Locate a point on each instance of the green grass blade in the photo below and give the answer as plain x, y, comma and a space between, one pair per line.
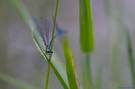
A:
69, 65
47, 76
131, 56
16, 83
86, 42
22, 12
86, 28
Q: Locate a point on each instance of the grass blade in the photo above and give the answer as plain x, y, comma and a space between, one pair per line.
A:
16, 83
86, 42
69, 65
52, 66
86, 29
131, 56
22, 12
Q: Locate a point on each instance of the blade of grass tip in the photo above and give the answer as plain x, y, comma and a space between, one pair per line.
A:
53, 30
18, 84
130, 56
52, 66
86, 42
86, 28
69, 65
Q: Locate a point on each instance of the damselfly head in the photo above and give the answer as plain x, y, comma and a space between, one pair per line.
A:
48, 50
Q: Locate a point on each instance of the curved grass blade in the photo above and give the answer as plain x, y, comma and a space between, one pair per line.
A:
22, 12
86, 28
16, 83
52, 66
43, 28
69, 65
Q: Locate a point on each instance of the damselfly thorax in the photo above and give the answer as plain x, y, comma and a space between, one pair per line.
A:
48, 51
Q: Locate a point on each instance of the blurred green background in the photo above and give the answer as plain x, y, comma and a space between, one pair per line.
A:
20, 59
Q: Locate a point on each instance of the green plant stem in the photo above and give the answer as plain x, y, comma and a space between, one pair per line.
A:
47, 75
48, 69
54, 23
86, 72
131, 57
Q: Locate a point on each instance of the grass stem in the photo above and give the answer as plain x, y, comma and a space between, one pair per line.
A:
48, 69
86, 72
131, 57
54, 22
47, 75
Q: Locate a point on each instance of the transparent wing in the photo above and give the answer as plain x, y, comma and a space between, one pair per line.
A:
46, 26
40, 30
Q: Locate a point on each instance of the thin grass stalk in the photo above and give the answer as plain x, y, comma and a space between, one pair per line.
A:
47, 75
86, 72
54, 22
48, 67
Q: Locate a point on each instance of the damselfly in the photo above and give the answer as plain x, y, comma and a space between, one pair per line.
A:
43, 27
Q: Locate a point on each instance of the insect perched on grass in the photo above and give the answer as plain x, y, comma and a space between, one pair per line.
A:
43, 27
